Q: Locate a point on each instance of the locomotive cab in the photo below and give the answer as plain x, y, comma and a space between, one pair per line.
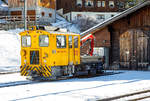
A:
48, 53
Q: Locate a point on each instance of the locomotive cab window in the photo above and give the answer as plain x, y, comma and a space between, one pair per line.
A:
76, 41
43, 40
61, 41
26, 41
70, 41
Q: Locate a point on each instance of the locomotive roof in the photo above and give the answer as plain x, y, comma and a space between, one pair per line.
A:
49, 29
56, 32
50, 32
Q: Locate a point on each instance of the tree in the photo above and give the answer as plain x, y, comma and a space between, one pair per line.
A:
84, 23
131, 3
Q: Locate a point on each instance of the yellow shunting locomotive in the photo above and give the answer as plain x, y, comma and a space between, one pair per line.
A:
49, 54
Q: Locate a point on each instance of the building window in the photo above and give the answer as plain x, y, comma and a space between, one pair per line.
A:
111, 4
99, 4
79, 16
79, 3
42, 13
103, 3
100, 17
89, 3
50, 14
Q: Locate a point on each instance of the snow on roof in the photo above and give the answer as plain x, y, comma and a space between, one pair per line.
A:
3, 6
116, 17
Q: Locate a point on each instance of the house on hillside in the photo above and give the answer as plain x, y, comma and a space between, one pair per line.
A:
127, 37
96, 9
37, 10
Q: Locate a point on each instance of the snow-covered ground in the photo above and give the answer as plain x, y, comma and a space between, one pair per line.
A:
87, 89
9, 50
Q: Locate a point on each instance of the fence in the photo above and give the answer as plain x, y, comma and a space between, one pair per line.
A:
13, 22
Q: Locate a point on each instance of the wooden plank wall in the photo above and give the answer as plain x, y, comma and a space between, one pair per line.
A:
31, 3
20, 3
139, 20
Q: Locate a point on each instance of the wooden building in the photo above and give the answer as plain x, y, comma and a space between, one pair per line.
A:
91, 5
101, 9
127, 36
42, 10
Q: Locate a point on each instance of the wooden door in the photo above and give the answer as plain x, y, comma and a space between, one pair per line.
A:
134, 50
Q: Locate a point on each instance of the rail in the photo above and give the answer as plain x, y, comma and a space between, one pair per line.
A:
130, 97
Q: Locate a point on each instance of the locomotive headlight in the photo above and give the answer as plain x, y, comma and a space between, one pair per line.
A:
45, 61
25, 61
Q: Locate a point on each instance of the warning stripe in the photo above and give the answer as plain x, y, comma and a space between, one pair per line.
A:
45, 71
48, 71
26, 73
36, 69
23, 70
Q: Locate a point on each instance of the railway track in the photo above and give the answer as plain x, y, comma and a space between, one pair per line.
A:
26, 82
8, 70
2, 73
17, 83
137, 96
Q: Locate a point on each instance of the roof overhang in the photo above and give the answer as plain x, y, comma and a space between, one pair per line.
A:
115, 18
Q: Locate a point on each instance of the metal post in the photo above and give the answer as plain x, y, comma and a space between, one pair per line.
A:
55, 9
106, 54
25, 14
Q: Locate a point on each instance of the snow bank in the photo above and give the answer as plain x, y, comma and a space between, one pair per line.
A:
10, 48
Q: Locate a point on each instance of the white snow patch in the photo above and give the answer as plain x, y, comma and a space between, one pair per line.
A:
10, 48
87, 89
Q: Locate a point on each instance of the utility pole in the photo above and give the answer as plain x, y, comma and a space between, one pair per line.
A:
55, 9
25, 14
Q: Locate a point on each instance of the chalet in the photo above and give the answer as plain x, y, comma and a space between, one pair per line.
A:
126, 38
97, 9
42, 10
